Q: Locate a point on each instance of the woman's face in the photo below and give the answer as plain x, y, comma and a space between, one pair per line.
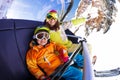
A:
51, 21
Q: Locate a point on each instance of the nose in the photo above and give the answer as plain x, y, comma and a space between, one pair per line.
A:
44, 38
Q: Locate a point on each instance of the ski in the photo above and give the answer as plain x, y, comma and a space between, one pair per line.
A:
107, 73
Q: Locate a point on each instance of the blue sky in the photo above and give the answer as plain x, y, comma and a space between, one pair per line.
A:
37, 9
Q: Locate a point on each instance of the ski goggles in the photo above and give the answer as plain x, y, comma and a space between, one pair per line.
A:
52, 16
42, 35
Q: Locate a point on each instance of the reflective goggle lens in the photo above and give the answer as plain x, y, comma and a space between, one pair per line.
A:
52, 16
49, 16
40, 36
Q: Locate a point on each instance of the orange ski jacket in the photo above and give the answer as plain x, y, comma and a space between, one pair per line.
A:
46, 57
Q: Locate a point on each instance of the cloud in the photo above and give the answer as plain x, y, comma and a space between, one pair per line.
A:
19, 10
42, 13
51, 0
19, 4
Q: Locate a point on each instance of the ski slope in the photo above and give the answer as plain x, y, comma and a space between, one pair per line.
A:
106, 47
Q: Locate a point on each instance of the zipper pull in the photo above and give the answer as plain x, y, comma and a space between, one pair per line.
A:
45, 59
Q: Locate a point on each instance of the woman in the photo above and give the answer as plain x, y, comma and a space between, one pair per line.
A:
58, 30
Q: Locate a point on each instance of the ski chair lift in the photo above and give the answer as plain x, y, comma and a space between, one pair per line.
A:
15, 37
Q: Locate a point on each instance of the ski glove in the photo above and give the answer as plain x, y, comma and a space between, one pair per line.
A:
63, 55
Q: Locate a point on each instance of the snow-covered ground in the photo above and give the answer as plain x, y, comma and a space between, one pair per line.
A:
106, 47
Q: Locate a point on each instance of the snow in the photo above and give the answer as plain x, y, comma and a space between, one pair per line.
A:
106, 47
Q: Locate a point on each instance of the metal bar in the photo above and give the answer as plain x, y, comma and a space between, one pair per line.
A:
87, 69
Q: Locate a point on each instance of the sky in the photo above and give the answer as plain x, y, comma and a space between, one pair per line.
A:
37, 9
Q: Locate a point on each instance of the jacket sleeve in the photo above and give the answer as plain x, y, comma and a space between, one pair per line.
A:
78, 21
73, 22
32, 64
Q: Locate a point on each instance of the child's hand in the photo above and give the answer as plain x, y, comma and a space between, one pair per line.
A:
64, 55
65, 59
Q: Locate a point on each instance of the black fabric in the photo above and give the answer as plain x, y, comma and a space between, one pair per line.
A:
73, 39
6, 24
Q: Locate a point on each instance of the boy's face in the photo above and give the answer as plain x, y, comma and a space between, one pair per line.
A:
42, 41
42, 38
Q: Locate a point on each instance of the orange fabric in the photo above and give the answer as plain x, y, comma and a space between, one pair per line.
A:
44, 57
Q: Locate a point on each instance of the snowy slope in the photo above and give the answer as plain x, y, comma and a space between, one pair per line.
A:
106, 47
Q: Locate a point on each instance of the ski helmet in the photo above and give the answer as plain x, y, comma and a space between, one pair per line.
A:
41, 29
